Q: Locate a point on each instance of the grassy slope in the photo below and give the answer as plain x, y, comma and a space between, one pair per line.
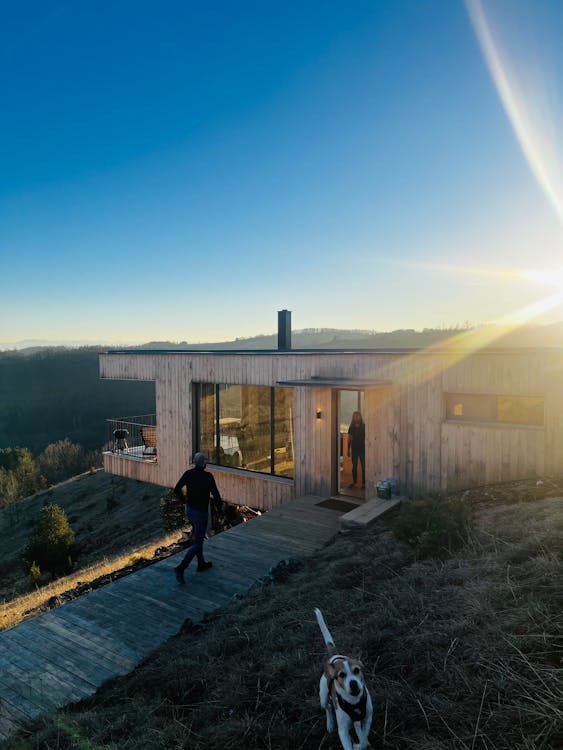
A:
110, 516
461, 653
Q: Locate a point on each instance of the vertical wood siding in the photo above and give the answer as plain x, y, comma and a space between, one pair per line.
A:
406, 433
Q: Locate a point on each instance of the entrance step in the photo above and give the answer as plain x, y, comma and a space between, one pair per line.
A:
368, 512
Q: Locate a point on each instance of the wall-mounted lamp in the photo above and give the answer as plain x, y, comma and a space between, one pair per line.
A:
319, 414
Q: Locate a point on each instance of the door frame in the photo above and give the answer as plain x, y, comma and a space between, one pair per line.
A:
336, 405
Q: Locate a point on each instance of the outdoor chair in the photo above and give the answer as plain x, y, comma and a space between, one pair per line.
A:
148, 436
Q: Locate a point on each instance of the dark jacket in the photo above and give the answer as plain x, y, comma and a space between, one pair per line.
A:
199, 484
357, 434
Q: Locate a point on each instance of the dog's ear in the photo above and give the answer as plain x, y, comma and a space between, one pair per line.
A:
331, 671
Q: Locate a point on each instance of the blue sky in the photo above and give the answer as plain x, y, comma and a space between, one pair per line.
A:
182, 170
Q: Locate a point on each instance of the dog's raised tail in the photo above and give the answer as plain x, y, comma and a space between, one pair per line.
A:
325, 631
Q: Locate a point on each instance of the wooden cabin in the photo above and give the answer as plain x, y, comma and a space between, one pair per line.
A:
274, 424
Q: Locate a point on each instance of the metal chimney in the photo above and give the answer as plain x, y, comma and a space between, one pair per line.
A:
284, 330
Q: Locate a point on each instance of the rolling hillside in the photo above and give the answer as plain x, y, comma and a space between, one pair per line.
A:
461, 653
114, 519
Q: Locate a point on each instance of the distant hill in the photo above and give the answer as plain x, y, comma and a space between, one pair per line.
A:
404, 338
35, 344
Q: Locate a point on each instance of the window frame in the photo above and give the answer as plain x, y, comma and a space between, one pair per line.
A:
197, 423
493, 400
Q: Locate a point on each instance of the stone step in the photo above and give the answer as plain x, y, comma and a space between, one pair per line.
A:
368, 512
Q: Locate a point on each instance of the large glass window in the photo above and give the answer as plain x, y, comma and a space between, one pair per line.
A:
245, 426
526, 410
205, 438
283, 431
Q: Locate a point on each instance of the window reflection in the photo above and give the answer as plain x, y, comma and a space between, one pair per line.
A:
255, 433
229, 422
283, 432
520, 409
206, 421
252, 428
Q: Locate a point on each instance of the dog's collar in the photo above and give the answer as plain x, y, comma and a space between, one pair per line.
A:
356, 711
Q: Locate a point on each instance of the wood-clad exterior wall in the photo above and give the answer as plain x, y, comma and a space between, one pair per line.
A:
407, 433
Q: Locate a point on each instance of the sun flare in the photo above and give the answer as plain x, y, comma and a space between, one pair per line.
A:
528, 102
549, 277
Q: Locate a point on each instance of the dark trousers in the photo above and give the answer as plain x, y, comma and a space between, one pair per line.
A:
362, 458
198, 520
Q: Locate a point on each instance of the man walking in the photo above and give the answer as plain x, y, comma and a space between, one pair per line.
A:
199, 484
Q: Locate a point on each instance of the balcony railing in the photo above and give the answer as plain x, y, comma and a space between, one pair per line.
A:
133, 437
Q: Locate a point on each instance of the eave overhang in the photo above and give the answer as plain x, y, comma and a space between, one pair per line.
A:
345, 384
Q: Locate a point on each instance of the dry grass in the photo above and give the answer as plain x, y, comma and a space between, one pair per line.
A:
112, 518
461, 654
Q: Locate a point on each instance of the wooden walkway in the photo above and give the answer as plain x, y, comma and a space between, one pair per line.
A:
64, 655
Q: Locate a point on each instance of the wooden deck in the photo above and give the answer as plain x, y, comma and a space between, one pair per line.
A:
64, 655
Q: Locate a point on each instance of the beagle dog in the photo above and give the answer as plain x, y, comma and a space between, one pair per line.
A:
344, 696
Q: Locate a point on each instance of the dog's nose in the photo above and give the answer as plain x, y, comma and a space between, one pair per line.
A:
354, 687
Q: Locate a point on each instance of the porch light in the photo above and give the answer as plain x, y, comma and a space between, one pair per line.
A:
319, 414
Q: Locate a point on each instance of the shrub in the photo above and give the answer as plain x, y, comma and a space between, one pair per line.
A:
433, 526
172, 511
34, 574
51, 542
9, 487
18, 475
62, 460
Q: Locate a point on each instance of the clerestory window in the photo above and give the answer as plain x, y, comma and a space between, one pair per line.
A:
472, 407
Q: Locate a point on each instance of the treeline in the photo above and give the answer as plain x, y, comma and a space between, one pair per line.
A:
21, 474
330, 338
54, 394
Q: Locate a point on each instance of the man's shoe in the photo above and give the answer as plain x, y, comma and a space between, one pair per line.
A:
179, 573
203, 566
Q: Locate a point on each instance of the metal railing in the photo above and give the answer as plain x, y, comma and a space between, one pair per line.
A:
133, 437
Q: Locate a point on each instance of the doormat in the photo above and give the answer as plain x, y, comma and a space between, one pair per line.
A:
333, 503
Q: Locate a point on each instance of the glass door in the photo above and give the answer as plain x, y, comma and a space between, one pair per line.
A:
351, 443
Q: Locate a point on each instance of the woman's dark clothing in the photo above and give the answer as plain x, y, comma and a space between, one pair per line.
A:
357, 445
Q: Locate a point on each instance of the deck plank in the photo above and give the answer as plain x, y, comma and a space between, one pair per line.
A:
65, 676
56, 634
65, 654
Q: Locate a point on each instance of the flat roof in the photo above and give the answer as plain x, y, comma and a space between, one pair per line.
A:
270, 352
284, 353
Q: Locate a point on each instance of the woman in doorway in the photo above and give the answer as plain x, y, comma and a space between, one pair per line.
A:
357, 446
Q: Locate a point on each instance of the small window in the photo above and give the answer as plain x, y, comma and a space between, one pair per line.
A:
472, 407
520, 409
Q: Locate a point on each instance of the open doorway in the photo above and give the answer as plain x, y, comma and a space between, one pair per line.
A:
351, 443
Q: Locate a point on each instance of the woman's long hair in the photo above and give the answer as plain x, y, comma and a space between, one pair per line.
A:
359, 414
